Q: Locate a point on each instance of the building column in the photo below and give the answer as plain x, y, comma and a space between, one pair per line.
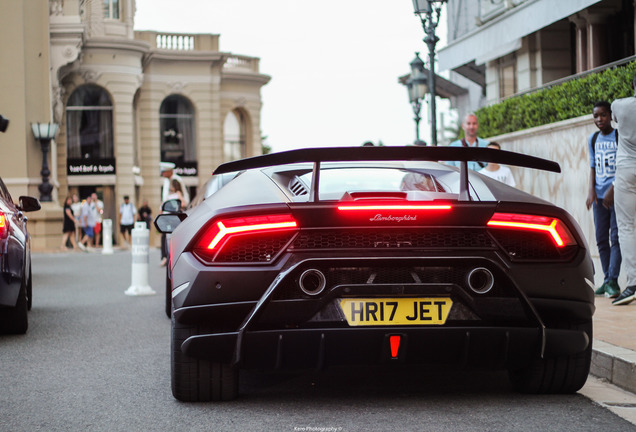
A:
596, 18
581, 42
596, 41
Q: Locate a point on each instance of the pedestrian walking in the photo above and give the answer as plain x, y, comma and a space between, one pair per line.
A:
624, 113
602, 146
177, 193
87, 218
99, 211
168, 174
470, 125
127, 213
76, 206
68, 225
498, 172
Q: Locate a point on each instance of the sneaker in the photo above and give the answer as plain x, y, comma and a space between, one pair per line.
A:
626, 296
601, 289
612, 290
81, 246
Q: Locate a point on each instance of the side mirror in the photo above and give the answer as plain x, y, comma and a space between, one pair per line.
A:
29, 204
166, 223
171, 206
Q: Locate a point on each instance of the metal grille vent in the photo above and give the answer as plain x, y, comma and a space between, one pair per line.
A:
398, 239
522, 245
297, 187
254, 249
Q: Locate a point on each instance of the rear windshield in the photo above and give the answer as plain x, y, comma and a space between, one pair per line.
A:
336, 182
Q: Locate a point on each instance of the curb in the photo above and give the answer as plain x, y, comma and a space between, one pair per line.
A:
615, 364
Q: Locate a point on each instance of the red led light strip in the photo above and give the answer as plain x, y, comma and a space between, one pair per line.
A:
224, 231
552, 227
395, 207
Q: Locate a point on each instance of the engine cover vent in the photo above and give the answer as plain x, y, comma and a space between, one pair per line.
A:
297, 187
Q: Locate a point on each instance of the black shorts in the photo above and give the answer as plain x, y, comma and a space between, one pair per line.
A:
126, 228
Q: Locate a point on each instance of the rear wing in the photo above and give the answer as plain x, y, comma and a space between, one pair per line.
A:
411, 153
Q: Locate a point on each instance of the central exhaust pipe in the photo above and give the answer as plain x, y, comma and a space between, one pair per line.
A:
480, 280
312, 282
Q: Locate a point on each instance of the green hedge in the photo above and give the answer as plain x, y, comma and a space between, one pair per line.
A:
561, 102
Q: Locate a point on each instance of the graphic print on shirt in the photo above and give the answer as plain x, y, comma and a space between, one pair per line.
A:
605, 159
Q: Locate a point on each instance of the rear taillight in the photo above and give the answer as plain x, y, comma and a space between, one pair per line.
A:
553, 227
4, 226
248, 239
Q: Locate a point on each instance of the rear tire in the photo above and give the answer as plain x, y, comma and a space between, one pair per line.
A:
15, 320
566, 374
195, 380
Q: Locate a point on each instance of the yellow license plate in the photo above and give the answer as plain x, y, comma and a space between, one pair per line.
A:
396, 311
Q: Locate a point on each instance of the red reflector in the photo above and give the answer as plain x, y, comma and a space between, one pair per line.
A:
4, 226
552, 226
395, 345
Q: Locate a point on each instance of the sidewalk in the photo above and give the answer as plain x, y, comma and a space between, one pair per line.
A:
614, 356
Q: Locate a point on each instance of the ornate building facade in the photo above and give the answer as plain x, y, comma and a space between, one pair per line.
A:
500, 48
124, 101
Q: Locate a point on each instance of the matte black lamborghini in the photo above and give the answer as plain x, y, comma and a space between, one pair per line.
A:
377, 255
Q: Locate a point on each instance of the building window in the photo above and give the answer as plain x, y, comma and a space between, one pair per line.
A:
234, 137
176, 118
111, 9
89, 124
507, 77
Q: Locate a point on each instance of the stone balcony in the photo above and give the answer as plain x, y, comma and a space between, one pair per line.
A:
197, 42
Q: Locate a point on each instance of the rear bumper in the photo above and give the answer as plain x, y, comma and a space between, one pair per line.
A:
267, 325
492, 348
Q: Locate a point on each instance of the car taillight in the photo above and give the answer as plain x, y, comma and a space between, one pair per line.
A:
555, 228
4, 226
246, 239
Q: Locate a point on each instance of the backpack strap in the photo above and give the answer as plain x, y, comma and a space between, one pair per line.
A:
595, 136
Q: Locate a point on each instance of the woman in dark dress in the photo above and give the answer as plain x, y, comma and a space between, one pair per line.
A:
68, 227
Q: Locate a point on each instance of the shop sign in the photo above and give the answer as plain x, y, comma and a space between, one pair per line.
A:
186, 169
102, 166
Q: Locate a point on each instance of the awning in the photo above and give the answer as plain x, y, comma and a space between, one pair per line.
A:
443, 87
473, 72
503, 34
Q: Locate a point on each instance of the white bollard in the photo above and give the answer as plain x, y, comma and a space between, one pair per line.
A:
140, 249
107, 237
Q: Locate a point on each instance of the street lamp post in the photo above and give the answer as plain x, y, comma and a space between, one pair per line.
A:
417, 89
429, 12
45, 132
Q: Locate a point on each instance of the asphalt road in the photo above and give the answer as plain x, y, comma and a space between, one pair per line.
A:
95, 359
